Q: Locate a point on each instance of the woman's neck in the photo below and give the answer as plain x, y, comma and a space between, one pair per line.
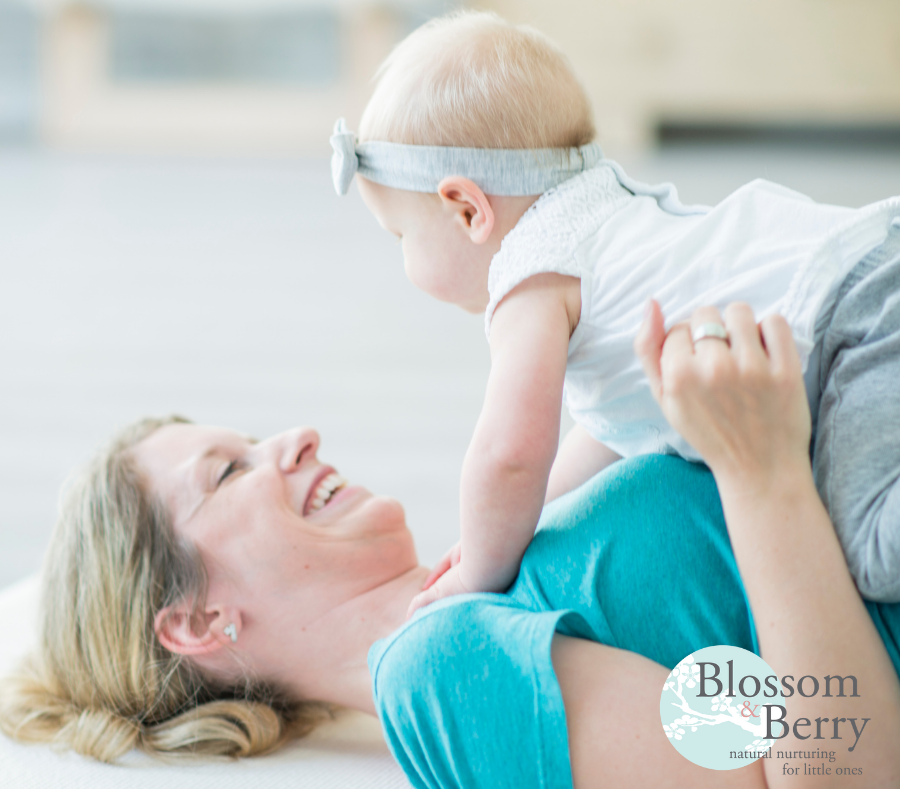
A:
331, 654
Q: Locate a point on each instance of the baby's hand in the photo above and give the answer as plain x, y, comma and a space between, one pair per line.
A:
448, 560
444, 581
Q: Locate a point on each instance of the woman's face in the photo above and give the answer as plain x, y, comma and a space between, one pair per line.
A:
266, 525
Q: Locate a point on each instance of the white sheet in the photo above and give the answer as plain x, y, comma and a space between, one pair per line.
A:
348, 753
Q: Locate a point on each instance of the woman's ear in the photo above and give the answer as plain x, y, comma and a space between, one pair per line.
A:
185, 632
469, 206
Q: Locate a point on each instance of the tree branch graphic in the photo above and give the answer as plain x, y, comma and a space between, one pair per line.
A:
686, 674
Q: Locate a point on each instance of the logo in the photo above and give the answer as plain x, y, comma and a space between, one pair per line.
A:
718, 705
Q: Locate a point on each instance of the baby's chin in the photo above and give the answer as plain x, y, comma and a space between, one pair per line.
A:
470, 304
474, 309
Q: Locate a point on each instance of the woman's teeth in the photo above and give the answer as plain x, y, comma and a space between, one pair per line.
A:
326, 489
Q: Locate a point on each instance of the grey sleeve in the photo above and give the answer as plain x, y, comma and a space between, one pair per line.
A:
856, 458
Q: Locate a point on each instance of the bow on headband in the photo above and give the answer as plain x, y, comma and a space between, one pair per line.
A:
344, 161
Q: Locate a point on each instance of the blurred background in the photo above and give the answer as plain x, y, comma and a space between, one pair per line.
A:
170, 240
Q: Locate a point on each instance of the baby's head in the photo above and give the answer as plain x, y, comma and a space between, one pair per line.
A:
467, 80
473, 80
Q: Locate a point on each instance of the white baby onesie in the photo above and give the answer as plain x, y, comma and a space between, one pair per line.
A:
628, 242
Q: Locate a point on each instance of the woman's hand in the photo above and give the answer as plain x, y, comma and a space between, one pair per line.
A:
741, 404
744, 409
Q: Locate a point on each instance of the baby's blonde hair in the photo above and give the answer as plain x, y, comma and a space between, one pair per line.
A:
474, 80
100, 682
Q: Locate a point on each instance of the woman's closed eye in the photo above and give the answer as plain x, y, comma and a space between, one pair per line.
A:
229, 469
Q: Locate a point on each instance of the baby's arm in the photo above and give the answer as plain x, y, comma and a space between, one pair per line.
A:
580, 457
504, 476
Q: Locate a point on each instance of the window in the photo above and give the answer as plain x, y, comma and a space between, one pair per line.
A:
295, 48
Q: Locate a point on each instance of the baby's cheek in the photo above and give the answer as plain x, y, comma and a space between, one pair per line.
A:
409, 266
421, 274
434, 275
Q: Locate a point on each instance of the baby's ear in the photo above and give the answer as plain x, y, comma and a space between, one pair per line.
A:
469, 206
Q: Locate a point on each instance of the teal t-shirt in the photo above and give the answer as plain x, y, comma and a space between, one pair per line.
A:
638, 558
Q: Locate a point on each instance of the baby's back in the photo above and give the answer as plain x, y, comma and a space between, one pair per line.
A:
765, 245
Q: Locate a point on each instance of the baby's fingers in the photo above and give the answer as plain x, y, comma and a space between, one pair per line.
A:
447, 561
445, 586
420, 601
437, 571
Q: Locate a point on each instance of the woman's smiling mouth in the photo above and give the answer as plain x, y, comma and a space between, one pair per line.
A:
330, 484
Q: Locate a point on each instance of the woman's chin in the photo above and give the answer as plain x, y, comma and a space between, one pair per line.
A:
384, 514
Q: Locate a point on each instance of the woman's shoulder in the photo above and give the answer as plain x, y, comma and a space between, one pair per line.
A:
449, 633
457, 687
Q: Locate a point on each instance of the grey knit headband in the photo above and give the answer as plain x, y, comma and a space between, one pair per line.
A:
420, 168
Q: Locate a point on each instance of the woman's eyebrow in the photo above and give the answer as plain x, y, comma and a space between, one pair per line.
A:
202, 479
196, 485
214, 451
222, 449
211, 452
218, 450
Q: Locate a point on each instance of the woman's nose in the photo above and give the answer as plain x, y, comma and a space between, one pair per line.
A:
293, 448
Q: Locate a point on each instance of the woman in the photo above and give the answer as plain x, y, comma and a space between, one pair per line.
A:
200, 583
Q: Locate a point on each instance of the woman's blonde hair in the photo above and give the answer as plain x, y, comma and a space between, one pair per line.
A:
474, 80
100, 682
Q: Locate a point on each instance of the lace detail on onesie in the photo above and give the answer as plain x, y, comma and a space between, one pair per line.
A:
547, 236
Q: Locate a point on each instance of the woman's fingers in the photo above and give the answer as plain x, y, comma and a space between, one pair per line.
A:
738, 404
743, 331
746, 342
676, 364
780, 346
648, 345
710, 350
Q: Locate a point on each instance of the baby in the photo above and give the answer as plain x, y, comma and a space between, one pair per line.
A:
476, 152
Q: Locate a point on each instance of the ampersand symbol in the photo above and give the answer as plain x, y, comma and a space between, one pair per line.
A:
747, 708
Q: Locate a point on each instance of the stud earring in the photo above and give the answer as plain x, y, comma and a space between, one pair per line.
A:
231, 630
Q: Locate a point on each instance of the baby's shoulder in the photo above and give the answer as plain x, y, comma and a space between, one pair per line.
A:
550, 232
561, 217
